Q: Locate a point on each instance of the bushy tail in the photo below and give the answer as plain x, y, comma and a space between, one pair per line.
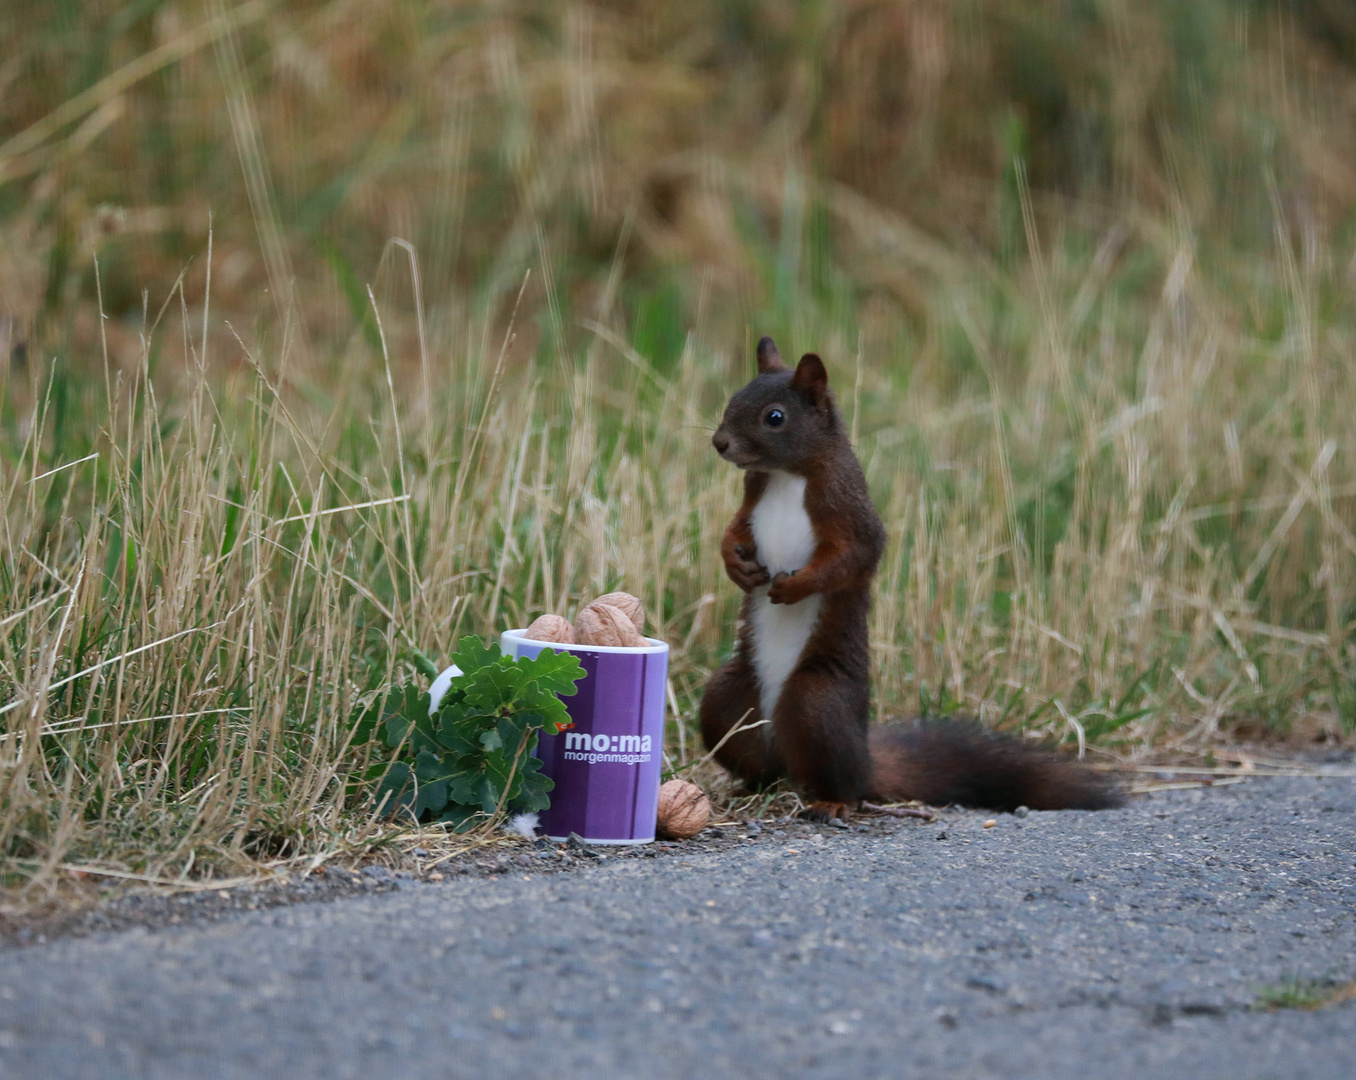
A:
957, 761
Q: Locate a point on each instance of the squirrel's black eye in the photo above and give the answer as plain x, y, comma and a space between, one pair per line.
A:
774, 418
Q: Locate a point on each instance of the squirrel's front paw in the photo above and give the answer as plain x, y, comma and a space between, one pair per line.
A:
785, 589
745, 570
747, 574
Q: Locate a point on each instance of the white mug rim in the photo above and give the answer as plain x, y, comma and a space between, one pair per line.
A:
655, 647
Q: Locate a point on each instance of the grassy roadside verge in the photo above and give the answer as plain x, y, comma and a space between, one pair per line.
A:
1084, 287
1150, 546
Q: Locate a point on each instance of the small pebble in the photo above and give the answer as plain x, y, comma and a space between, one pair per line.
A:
753, 828
990, 823
1020, 812
435, 876
838, 823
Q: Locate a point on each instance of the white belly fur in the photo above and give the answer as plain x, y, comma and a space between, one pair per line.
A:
785, 541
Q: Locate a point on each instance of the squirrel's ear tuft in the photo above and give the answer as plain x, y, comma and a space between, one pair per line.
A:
812, 379
769, 359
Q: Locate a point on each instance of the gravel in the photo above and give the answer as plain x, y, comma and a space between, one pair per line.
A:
1136, 942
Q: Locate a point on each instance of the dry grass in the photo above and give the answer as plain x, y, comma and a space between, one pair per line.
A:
1109, 432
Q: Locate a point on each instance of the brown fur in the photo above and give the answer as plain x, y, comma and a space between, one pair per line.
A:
957, 761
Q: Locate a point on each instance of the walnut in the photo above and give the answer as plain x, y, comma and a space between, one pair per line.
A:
629, 605
552, 628
603, 624
684, 810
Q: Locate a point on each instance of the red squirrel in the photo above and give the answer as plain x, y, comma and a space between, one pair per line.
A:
804, 546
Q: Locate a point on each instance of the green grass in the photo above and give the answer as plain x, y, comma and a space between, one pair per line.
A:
195, 612
1103, 398
1305, 994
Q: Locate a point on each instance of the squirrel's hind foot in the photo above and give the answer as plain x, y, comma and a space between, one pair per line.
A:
823, 811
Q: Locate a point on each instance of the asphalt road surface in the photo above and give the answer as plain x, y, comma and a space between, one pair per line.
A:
1131, 943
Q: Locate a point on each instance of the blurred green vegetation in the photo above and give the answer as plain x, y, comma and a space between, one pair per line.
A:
735, 157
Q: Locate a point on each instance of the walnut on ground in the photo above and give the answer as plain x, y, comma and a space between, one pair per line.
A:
684, 810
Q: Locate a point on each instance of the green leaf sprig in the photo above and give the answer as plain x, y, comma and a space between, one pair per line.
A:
472, 759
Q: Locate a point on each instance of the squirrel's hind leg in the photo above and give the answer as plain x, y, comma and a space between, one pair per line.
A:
729, 700
820, 728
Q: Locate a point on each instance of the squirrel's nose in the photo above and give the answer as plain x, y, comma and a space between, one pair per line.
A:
721, 442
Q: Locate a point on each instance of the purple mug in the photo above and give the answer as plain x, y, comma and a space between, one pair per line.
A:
606, 765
